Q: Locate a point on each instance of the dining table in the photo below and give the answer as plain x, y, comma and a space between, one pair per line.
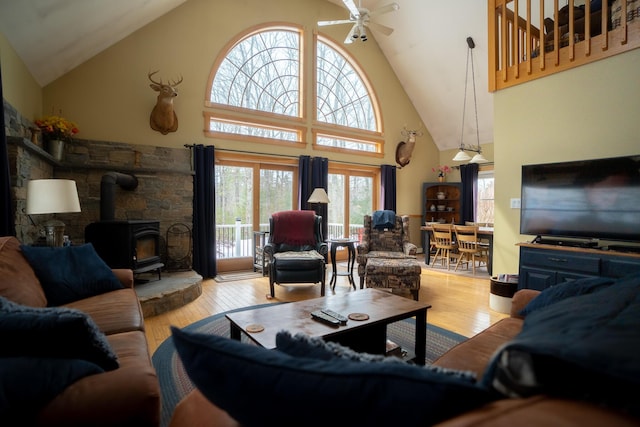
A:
483, 233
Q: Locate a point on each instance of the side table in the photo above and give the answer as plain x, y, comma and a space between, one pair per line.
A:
351, 260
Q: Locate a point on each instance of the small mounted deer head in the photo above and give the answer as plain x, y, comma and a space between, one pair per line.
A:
163, 118
404, 150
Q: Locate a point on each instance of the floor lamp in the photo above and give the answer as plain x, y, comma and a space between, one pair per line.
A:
52, 196
319, 196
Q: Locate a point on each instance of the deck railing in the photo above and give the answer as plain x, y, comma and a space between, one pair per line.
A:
519, 51
236, 240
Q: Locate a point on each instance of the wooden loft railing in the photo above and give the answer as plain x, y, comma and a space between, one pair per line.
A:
519, 51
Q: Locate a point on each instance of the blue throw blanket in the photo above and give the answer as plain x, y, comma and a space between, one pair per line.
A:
585, 346
383, 219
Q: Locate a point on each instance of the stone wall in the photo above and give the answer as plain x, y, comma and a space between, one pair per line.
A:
164, 191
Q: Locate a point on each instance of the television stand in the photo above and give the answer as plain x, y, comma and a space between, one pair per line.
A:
543, 266
624, 248
575, 243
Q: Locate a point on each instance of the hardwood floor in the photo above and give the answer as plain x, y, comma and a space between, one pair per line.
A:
459, 303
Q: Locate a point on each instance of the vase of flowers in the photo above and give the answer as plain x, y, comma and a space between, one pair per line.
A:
56, 131
442, 172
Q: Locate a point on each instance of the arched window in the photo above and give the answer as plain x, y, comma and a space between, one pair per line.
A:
257, 88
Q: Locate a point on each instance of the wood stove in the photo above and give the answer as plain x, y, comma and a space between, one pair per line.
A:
133, 244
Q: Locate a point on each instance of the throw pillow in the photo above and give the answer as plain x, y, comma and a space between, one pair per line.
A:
302, 345
53, 332
70, 273
249, 382
586, 347
565, 290
28, 383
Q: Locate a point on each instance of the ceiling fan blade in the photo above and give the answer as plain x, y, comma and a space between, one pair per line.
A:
381, 28
384, 9
341, 21
349, 4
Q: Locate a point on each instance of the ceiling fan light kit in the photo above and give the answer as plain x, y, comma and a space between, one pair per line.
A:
462, 155
360, 18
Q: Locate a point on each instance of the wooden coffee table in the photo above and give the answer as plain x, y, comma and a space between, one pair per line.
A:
368, 335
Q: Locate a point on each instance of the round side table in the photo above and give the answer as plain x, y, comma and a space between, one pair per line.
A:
351, 260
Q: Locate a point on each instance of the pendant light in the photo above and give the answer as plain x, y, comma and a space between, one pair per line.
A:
462, 155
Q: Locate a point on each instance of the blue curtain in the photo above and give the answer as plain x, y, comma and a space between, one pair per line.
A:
388, 189
204, 211
304, 182
320, 179
469, 177
7, 221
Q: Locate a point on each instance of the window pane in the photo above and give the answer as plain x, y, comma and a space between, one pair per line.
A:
335, 191
360, 204
253, 130
342, 97
348, 144
276, 189
234, 207
485, 208
262, 72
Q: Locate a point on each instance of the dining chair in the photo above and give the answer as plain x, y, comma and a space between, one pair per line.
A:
470, 248
445, 245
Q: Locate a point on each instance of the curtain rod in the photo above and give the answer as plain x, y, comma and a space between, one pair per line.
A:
281, 155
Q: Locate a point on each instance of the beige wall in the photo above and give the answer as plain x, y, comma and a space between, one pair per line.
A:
589, 112
19, 87
110, 98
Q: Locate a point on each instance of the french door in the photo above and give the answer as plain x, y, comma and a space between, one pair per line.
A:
353, 193
248, 191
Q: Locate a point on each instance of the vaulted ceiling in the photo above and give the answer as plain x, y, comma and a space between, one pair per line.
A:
427, 49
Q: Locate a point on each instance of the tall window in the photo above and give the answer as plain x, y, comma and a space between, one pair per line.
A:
352, 194
485, 208
257, 87
256, 93
248, 191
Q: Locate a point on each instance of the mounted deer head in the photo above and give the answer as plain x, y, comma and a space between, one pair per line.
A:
404, 150
163, 118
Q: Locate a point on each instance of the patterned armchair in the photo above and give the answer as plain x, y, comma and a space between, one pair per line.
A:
296, 249
384, 243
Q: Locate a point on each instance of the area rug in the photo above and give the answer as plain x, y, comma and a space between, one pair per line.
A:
175, 383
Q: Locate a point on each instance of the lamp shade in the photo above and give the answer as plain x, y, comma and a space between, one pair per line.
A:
47, 196
461, 156
478, 158
318, 196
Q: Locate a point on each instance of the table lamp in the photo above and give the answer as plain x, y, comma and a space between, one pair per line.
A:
52, 196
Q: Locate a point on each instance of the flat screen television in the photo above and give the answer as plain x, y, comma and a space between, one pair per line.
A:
586, 199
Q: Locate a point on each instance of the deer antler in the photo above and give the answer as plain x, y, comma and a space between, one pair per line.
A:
153, 81
174, 83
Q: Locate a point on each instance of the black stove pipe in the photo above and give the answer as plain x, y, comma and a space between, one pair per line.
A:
108, 192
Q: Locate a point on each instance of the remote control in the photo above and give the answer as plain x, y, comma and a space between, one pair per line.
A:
335, 315
319, 315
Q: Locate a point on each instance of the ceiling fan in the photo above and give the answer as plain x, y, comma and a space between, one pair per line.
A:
360, 17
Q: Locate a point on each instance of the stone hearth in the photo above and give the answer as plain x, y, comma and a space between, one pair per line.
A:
173, 290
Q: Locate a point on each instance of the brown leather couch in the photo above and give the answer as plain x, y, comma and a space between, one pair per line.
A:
126, 396
473, 354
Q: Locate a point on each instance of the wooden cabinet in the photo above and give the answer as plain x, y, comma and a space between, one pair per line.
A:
542, 266
448, 195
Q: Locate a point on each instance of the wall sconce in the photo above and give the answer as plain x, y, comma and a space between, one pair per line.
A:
462, 155
52, 196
